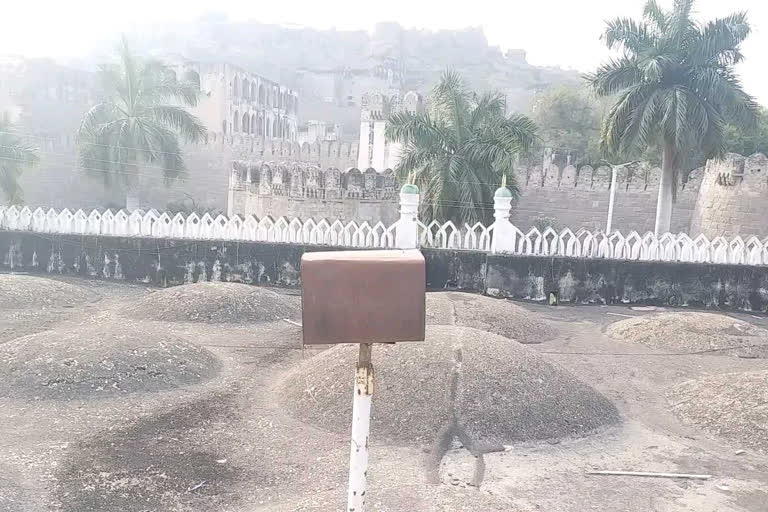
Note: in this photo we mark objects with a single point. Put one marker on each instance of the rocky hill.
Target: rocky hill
(331, 68)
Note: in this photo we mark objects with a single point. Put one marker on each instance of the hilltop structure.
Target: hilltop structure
(233, 101)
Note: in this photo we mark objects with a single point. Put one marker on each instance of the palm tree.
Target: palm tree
(674, 86)
(138, 124)
(16, 156)
(458, 150)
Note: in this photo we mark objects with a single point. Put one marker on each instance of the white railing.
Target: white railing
(192, 226)
(596, 244)
(408, 231)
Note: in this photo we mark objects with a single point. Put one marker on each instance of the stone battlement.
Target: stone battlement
(304, 189)
(634, 178)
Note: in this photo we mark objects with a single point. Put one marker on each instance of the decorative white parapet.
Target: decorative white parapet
(407, 232)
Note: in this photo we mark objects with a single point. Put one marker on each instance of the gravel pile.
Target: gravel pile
(472, 382)
(498, 316)
(731, 406)
(32, 292)
(215, 303)
(685, 332)
(94, 361)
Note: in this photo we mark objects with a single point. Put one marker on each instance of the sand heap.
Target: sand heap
(215, 303)
(32, 292)
(30, 304)
(488, 389)
(685, 332)
(94, 360)
(498, 316)
(732, 405)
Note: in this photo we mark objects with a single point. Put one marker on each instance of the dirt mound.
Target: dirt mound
(498, 316)
(479, 386)
(732, 405)
(93, 361)
(32, 292)
(215, 303)
(687, 332)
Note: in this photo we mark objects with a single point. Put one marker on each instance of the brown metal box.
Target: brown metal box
(363, 296)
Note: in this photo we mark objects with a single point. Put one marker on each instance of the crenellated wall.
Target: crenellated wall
(579, 197)
(733, 199)
(59, 182)
(290, 189)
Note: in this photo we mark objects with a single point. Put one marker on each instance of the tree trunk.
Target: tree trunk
(134, 195)
(666, 184)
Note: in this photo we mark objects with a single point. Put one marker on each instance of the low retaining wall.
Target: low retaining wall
(166, 262)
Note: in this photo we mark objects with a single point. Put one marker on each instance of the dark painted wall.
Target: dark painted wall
(165, 262)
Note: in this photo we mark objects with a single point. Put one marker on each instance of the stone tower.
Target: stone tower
(733, 197)
(375, 150)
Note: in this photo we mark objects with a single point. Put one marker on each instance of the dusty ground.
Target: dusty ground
(222, 442)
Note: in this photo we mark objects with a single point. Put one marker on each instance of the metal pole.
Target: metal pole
(361, 424)
(610, 201)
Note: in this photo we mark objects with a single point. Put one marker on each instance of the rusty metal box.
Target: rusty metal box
(363, 296)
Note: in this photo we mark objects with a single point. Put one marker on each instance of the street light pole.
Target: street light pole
(612, 198)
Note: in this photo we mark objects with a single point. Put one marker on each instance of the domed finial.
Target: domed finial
(503, 191)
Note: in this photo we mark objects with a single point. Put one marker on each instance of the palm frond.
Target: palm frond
(614, 76)
(627, 33)
(180, 120)
(717, 43)
(656, 16)
(489, 106)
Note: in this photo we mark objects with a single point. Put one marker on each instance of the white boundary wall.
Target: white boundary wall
(407, 232)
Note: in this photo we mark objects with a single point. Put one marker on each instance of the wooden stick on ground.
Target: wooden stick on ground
(651, 474)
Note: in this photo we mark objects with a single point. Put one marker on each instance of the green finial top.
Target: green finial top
(409, 188)
(503, 191)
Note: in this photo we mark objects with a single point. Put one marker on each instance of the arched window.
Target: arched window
(274, 128)
(237, 122)
(224, 127)
(253, 123)
(262, 95)
(235, 87)
(245, 122)
(254, 91)
(192, 77)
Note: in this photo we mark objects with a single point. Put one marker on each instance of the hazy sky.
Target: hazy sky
(553, 32)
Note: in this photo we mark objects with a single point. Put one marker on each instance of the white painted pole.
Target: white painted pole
(361, 425)
(611, 200)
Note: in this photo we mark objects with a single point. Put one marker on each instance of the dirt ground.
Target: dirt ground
(224, 444)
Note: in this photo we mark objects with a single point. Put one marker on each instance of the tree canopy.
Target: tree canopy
(568, 120)
(747, 140)
(458, 149)
(673, 84)
(139, 123)
(16, 156)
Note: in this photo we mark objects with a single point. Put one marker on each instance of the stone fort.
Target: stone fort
(253, 126)
(723, 198)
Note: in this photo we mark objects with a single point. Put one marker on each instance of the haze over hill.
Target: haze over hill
(331, 69)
